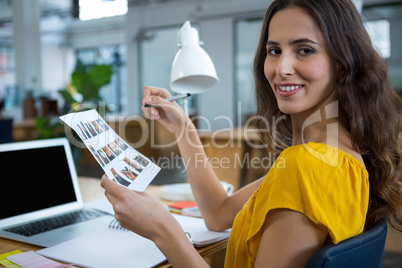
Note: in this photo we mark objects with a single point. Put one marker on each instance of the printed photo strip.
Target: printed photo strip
(119, 160)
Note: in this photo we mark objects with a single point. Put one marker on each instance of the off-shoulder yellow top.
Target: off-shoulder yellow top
(326, 184)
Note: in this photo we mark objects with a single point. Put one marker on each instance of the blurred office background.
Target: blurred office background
(41, 40)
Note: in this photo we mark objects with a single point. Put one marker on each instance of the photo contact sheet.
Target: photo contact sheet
(119, 160)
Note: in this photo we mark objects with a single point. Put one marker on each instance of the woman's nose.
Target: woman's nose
(285, 65)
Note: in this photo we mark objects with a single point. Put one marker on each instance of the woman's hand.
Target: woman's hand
(169, 114)
(138, 211)
(144, 215)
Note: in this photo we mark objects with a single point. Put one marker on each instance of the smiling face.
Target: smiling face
(298, 66)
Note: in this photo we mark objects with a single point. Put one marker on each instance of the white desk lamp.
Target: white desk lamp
(192, 69)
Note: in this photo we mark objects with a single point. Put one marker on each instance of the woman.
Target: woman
(316, 65)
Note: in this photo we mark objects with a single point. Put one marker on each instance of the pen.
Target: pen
(178, 97)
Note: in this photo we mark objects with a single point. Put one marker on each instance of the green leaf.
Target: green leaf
(48, 127)
(78, 78)
(90, 92)
(67, 96)
(41, 122)
(88, 81)
(101, 74)
(80, 66)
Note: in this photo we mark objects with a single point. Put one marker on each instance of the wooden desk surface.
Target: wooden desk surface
(92, 191)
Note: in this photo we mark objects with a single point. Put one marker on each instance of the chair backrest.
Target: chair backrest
(6, 130)
(364, 250)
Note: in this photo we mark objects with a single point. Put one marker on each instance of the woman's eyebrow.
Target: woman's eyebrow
(293, 42)
(272, 43)
(303, 40)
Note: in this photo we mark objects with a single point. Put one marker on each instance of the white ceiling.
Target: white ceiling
(61, 7)
(58, 11)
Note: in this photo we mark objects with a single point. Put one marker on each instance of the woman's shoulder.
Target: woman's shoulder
(317, 179)
(315, 153)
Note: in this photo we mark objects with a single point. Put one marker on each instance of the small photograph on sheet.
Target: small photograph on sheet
(118, 159)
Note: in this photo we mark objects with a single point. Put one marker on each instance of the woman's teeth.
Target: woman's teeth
(289, 88)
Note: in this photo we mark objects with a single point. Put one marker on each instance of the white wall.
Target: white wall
(57, 63)
(217, 105)
(94, 33)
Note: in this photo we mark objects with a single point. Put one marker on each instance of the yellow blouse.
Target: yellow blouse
(327, 185)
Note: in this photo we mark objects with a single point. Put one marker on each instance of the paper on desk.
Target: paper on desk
(119, 160)
(118, 248)
(195, 227)
(31, 259)
(198, 232)
(107, 248)
(7, 263)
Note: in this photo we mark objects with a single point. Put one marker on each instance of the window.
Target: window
(379, 31)
(8, 91)
(95, 9)
(247, 34)
(384, 24)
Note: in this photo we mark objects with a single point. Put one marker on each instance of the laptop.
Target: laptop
(41, 203)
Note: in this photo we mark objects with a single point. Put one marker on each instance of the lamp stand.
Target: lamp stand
(185, 106)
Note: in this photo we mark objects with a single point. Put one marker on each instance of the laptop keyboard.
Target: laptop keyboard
(41, 226)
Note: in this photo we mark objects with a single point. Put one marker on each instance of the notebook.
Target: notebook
(40, 191)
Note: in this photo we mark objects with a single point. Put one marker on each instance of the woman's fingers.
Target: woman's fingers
(112, 190)
(153, 96)
(149, 92)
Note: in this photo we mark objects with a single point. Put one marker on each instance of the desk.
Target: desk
(24, 130)
(91, 191)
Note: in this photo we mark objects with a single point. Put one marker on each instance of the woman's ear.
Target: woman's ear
(340, 71)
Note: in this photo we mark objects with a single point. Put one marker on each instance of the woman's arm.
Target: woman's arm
(288, 239)
(217, 208)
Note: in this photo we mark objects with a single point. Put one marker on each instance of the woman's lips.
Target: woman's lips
(288, 90)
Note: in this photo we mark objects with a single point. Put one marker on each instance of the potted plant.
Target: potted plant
(86, 82)
(82, 93)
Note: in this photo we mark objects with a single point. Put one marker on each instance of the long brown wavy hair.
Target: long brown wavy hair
(370, 107)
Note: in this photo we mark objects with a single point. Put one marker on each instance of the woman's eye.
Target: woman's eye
(274, 51)
(306, 51)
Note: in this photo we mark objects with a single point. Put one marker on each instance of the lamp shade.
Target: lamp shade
(192, 69)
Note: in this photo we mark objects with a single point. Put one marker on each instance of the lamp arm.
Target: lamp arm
(185, 106)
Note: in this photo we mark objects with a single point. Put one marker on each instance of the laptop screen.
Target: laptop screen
(34, 179)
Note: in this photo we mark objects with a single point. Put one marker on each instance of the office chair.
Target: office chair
(6, 130)
(364, 250)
